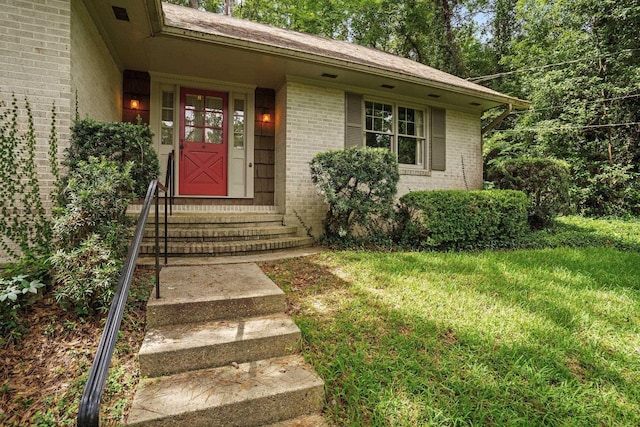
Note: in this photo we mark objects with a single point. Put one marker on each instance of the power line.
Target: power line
(564, 128)
(554, 107)
(488, 77)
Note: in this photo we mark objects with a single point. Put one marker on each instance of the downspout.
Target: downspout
(498, 119)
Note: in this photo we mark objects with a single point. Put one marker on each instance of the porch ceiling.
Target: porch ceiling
(186, 52)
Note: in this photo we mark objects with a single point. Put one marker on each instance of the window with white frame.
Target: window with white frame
(398, 128)
(406, 130)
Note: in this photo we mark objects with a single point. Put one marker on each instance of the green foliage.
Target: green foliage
(23, 221)
(92, 232)
(14, 292)
(612, 190)
(580, 70)
(462, 220)
(359, 185)
(119, 142)
(545, 181)
(86, 275)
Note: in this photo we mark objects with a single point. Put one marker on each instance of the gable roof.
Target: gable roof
(226, 30)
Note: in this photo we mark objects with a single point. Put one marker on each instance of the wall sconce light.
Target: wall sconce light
(266, 118)
(134, 104)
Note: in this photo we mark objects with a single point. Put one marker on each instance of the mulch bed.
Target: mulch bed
(42, 375)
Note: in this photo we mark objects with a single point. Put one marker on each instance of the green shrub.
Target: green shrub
(86, 275)
(92, 233)
(119, 142)
(545, 181)
(613, 190)
(359, 185)
(456, 219)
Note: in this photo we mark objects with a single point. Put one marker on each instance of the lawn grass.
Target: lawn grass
(518, 338)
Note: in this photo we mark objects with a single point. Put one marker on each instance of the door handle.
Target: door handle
(182, 145)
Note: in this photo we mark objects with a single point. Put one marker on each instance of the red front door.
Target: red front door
(203, 143)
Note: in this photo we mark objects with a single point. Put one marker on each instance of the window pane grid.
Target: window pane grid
(203, 117)
(407, 140)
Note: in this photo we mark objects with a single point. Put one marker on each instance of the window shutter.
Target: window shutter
(438, 139)
(353, 118)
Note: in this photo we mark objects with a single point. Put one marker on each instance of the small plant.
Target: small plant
(13, 296)
(359, 185)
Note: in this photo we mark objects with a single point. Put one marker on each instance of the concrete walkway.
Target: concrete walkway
(219, 349)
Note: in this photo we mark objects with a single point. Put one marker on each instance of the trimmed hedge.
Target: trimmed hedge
(462, 220)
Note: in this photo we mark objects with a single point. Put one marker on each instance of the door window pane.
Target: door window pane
(193, 134)
(167, 128)
(238, 124)
(214, 136)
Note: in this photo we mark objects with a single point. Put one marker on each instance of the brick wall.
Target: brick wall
(35, 63)
(463, 145)
(96, 79)
(310, 120)
(314, 123)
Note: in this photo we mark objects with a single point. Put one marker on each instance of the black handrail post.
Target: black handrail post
(157, 248)
(166, 239)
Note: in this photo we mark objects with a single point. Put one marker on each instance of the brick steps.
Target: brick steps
(225, 248)
(223, 234)
(220, 351)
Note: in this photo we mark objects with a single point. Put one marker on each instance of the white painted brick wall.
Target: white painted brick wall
(310, 119)
(314, 119)
(35, 63)
(48, 49)
(464, 144)
(95, 77)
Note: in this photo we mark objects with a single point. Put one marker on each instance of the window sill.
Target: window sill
(414, 171)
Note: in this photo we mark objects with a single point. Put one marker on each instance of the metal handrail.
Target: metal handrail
(89, 410)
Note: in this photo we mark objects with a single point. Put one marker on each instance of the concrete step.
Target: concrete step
(221, 234)
(198, 294)
(227, 248)
(179, 348)
(249, 394)
(305, 421)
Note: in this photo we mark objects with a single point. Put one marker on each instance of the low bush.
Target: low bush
(545, 181)
(462, 220)
(119, 142)
(359, 185)
(14, 295)
(92, 232)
